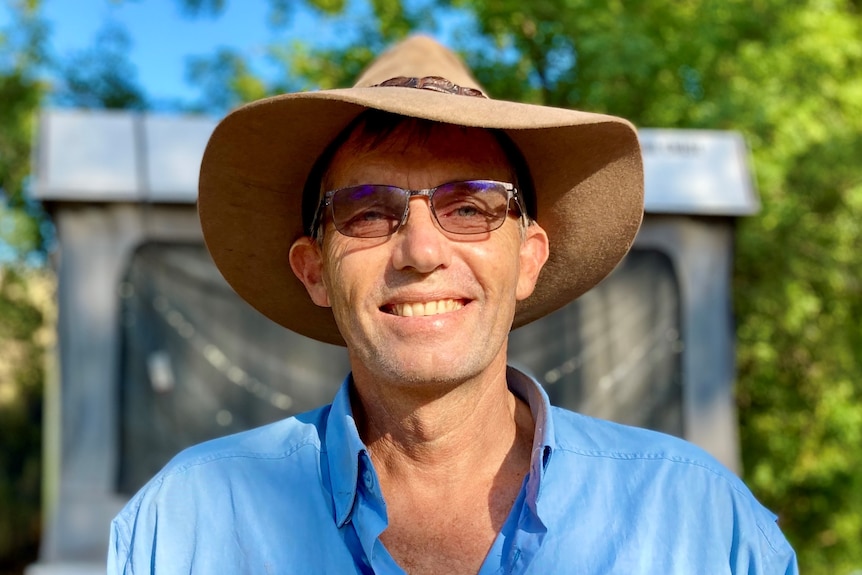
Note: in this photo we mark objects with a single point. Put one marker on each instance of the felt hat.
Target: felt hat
(586, 169)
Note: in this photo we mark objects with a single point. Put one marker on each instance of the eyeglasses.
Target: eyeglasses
(376, 211)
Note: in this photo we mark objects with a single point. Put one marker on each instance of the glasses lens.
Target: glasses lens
(368, 211)
(471, 207)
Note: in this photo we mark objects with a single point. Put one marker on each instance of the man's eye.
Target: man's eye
(367, 214)
(372, 215)
(465, 211)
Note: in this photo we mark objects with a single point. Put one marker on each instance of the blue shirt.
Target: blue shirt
(301, 496)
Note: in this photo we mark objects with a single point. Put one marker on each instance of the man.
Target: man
(421, 221)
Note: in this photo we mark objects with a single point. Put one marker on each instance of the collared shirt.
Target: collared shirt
(302, 496)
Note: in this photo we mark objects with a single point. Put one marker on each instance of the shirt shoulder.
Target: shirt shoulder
(593, 437)
(671, 481)
(289, 449)
(278, 440)
(255, 502)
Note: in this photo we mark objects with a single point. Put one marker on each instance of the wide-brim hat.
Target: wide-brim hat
(586, 168)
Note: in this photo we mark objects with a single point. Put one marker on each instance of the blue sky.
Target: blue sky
(163, 37)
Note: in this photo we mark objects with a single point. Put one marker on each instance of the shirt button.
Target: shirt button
(368, 477)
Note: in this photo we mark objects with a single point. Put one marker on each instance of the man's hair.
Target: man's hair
(374, 126)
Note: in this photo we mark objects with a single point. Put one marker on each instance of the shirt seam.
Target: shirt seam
(205, 459)
(158, 480)
(176, 470)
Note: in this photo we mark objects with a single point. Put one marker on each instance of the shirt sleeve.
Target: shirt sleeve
(785, 561)
(118, 550)
(771, 553)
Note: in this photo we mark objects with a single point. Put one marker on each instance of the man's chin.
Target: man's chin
(421, 367)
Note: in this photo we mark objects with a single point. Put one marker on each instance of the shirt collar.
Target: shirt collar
(347, 453)
(529, 390)
(344, 450)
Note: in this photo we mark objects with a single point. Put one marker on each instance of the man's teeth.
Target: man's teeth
(419, 309)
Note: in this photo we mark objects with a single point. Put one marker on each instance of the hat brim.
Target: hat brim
(587, 170)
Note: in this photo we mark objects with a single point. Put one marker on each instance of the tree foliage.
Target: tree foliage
(786, 74)
(21, 51)
(24, 296)
(227, 78)
(224, 69)
(21, 320)
(101, 76)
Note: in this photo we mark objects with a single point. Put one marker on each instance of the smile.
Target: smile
(420, 309)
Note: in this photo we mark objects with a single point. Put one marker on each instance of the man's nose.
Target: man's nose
(420, 243)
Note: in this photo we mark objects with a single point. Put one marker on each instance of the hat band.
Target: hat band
(433, 83)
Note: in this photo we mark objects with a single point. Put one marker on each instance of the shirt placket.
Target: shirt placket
(370, 519)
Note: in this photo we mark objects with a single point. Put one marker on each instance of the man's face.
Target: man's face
(422, 305)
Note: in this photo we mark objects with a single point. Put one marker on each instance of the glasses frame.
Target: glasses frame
(326, 201)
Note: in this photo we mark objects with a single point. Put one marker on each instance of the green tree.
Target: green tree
(227, 78)
(101, 76)
(21, 238)
(25, 295)
(21, 51)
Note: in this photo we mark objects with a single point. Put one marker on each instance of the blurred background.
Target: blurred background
(783, 73)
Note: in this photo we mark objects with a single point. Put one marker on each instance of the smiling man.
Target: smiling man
(417, 221)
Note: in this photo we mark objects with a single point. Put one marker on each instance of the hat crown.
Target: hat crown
(417, 57)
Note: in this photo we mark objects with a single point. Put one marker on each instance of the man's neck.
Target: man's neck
(456, 458)
(442, 430)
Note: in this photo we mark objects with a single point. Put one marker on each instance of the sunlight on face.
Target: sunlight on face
(424, 306)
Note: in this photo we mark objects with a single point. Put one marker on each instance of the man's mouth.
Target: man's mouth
(420, 309)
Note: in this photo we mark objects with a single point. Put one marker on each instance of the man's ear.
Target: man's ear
(306, 261)
(534, 254)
